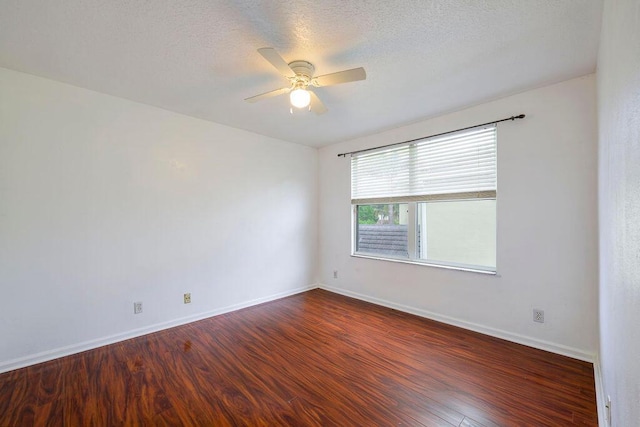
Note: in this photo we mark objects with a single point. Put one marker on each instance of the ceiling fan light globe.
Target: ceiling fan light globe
(300, 98)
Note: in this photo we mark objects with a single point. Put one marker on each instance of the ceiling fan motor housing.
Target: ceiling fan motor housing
(304, 70)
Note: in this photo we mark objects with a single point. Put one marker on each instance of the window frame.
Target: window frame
(412, 203)
(412, 249)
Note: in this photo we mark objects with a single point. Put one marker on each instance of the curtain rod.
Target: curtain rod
(521, 116)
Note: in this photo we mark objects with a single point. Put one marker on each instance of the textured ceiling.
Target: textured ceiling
(198, 57)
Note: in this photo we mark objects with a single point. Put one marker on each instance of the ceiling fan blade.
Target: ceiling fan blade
(267, 95)
(346, 76)
(276, 60)
(316, 105)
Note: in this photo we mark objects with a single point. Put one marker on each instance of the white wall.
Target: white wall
(619, 208)
(547, 226)
(104, 202)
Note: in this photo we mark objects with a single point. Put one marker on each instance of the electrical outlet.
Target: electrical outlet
(538, 315)
(137, 307)
(335, 274)
(187, 298)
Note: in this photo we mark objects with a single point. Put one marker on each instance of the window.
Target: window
(430, 201)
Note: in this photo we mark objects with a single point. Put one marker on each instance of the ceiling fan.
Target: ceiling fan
(300, 76)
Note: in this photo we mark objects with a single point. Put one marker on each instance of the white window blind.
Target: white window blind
(454, 166)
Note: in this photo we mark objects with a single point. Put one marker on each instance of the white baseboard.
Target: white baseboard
(45, 356)
(498, 333)
(601, 397)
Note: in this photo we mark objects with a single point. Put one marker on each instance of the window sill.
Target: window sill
(426, 264)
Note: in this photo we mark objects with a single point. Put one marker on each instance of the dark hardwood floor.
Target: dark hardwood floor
(311, 359)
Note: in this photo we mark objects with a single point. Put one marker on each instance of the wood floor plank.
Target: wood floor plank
(312, 359)
(468, 422)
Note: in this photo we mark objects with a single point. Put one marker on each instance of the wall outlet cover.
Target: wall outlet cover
(538, 315)
(137, 307)
(187, 298)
